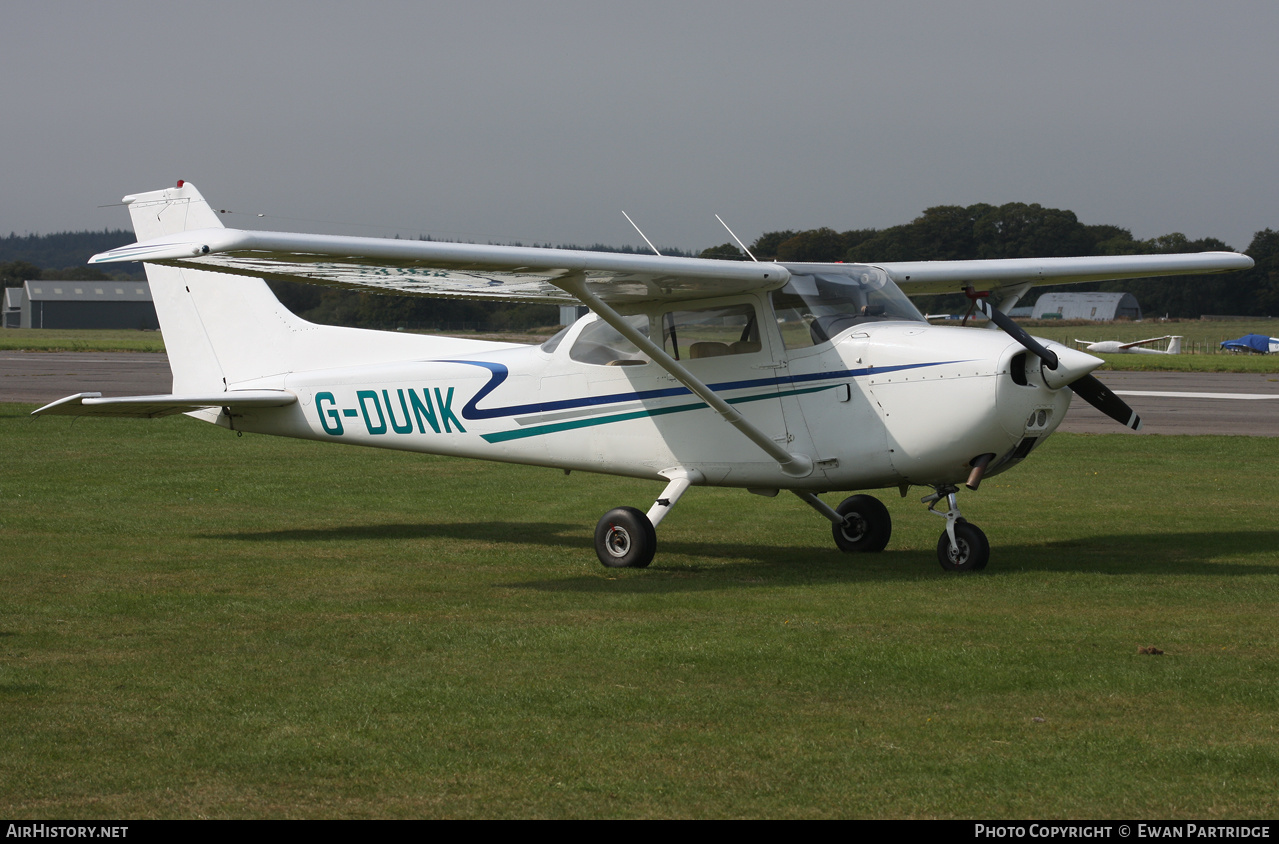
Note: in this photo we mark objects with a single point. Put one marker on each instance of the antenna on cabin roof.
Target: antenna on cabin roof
(735, 237)
(641, 234)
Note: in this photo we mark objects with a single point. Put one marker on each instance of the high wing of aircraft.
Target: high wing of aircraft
(1137, 347)
(808, 378)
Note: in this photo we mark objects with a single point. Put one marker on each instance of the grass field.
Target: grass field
(79, 340)
(198, 625)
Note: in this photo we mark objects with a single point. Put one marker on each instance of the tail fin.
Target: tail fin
(1174, 345)
(212, 323)
(224, 330)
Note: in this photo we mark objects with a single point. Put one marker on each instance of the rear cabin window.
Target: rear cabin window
(600, 344)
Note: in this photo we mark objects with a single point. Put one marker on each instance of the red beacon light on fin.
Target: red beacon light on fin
(181, 182)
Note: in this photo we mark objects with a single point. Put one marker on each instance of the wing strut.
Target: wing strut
(793, 465)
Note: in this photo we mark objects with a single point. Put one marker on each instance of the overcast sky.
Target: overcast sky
(541, 121)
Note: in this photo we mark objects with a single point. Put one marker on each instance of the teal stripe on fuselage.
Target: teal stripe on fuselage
(539, 430)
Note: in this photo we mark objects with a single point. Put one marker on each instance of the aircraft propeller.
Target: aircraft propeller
(1101, 397)
(1086, 386)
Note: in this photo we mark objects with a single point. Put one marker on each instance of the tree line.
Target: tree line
(1018, 230)
(62, 255)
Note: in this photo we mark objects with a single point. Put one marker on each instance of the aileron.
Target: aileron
(919, 278)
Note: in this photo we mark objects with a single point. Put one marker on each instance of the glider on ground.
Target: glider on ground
(807, 378)
(1137, 347)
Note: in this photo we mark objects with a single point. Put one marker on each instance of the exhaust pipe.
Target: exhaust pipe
(979, 464)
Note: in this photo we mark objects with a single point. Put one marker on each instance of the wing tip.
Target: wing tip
(60, 406)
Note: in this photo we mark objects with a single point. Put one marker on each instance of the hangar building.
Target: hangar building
(1095, 306)
(84, 304)
(12, 307)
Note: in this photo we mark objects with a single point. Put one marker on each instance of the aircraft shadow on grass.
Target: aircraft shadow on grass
(1114, 554)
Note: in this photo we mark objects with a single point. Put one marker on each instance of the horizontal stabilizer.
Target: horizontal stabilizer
(149, 407)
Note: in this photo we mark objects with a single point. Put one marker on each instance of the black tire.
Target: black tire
(625, 539)
(973, 552)
(869, 525)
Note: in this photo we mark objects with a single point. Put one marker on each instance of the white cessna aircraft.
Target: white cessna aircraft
(763, 376)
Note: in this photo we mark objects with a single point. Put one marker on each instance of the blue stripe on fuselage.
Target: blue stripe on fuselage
(499, 373)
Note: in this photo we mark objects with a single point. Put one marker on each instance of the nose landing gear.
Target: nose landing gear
(963, 546)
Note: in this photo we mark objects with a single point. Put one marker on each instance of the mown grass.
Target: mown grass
(198, 625)
(1191, 363)
(79, 340)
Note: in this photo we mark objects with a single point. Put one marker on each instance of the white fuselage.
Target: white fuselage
(883, 404)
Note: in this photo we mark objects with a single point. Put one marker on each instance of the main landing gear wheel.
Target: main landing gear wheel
(868, 525)
(625, 539)
(970, 552)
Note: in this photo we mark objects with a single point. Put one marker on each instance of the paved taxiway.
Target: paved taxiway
(1235, 403)
(42, 377)
(1218, 403)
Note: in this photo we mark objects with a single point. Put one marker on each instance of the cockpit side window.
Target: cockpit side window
(711, 332)
(600, 344)
(814, 308)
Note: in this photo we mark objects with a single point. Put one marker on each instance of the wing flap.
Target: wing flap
(150, 407)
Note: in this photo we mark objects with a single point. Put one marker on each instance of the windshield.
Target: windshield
(813, 308)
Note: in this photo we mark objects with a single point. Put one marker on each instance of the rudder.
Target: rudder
(192, 357)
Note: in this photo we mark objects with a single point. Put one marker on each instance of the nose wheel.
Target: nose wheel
(962, 546)
(969, 551)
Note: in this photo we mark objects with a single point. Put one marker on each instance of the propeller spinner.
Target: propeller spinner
(1068, 369)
